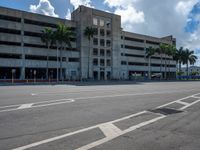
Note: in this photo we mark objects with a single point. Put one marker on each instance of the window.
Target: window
(102, 52)
(73, 59)
(108, 62)
(108, 53)
(95, 21)
(95, 31)
(108, 43)
(134, 39)
(11, 31)
(108, 33)
(102, 42)
(102, 33)
(102, 23)
(102, 62)
(39, 23)
(137, 64)
(152, 42)
(95, 62)
(123, 63)
(134, 47)
(95, 41)
(14, 56)
(108, 24)
(10, 18)
(95, 51)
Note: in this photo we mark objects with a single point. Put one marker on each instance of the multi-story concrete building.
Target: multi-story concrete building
(111, 54)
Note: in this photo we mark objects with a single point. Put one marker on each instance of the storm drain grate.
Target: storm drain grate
(166, 111)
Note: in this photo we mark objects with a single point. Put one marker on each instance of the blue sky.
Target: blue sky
(181, 18)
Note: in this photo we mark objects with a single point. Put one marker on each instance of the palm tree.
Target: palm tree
(149, 53)
(162, 51)
(171, 52)
(179, 57)
(189, 58)
(47, 38)
(89, 33)
(63, 35)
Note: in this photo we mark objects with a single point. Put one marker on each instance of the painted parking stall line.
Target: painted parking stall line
(25, 106)
(111, 131)
(35, 105)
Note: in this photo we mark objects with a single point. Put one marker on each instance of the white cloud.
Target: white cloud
(44, 7)
(184, 7)
(68, 16)
(119, 3)
(76, 3)
(130, 16)
(156, 18)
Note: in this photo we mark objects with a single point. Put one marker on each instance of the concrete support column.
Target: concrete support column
(22, 71)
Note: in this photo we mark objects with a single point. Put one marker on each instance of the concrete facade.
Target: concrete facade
(111, 54)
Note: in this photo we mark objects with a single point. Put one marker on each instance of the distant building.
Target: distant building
(114, 53)
(191, 69)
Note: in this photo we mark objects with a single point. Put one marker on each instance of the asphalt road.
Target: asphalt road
(143, 116)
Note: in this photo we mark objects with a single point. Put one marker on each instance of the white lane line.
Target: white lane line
(33, 94)
(25, 106)
(8, 106)
(174, 102)
(110, 130)
(53, 139)
(68, 92)
(56, 103)
(76, 132)
(104, 96)
(109, 138)
(181, 102)
(37, 104)
(189, 105)
(196, 97)
(102, 126)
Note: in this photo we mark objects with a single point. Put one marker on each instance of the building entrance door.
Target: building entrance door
(102, 75)
(95, 75)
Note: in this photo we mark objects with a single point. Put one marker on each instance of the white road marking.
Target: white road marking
(109, 129)
(33, 94)
(67, 92)
(36, 104)
(181, 102)
(75, 132)
(174, 102)
(96, 97)
(63, 101)
(25, 106)
(189, 105)
(109, 138)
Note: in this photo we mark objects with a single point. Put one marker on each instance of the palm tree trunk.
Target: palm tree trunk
(149, 68)
(169, 70)
(47, 69)
(179, 67)
(165, 68)
(57, 70)
(161, 59)
(187, 70)
(88, 72)
(61, 63)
